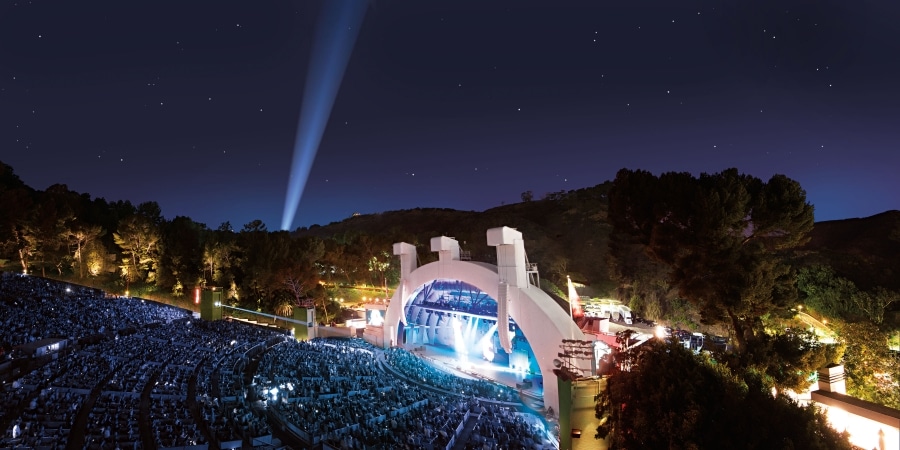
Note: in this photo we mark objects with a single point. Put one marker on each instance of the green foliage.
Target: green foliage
(838, 297)
(722, 238)
(826, 292)
(181, 255)
(139, 239)
(785, 360)
(872, 372)
(698, 230)
(672, 398)
(681, 314)
(553, 289)
(873, 304)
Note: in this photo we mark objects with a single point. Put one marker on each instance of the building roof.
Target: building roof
(863, 408)
(33, 346)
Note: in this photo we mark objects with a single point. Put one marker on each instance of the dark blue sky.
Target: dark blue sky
(457, 104)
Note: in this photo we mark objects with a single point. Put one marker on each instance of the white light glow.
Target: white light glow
(661, 332)
(375, 318)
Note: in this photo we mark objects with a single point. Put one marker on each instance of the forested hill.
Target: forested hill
(865, 251)
(565, 232)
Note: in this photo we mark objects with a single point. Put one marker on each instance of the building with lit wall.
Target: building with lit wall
(870, 425)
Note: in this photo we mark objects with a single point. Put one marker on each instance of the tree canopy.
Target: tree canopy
(723, 238)
(672, 398)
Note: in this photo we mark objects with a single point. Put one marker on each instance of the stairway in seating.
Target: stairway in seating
(463, 437)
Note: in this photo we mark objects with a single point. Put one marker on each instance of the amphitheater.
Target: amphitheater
(82, 370)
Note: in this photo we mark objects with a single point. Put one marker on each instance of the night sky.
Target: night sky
(455, 104)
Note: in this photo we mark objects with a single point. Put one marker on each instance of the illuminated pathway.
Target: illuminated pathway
(824, 334)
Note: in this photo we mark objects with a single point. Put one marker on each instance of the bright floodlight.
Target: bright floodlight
(336, 33)
(660, 332)
(375, 318)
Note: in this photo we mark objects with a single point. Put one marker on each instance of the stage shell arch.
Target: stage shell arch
(536, 314)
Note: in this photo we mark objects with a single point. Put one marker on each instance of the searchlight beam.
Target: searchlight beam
(335, 36)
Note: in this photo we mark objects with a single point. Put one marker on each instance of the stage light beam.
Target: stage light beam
(336, 33)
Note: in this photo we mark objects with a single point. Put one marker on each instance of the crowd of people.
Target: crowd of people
(137, 374)
(35, 308)
(348, 394)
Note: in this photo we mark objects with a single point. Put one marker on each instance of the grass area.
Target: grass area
(357, 296)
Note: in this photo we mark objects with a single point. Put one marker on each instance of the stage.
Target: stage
(448, 360)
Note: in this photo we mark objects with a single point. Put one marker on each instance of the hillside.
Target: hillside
(865, 251)
(567, 234)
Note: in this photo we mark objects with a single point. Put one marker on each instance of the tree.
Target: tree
(298, 273)
(23, 247)
(671, 398)
(94, 255)
(825, 292)
(722, 236)
(219, 255)
(181, 255)
(261, 253)
(527, 196)
(284, 308)
(837, 297)
(872, 373)
(333, 264)
(643, 281)
(46, 227)
(15, 202)
(874, 304)
(80, 236)
(383, 267)
(785, 360)
(254, 226)
(139, 238)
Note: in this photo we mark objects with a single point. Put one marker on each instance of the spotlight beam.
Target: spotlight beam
(336, 33)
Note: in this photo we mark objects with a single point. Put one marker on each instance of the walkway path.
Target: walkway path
(463, 437)
(77, 435)
(191, 404)
(823, 333)
(148, 440)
